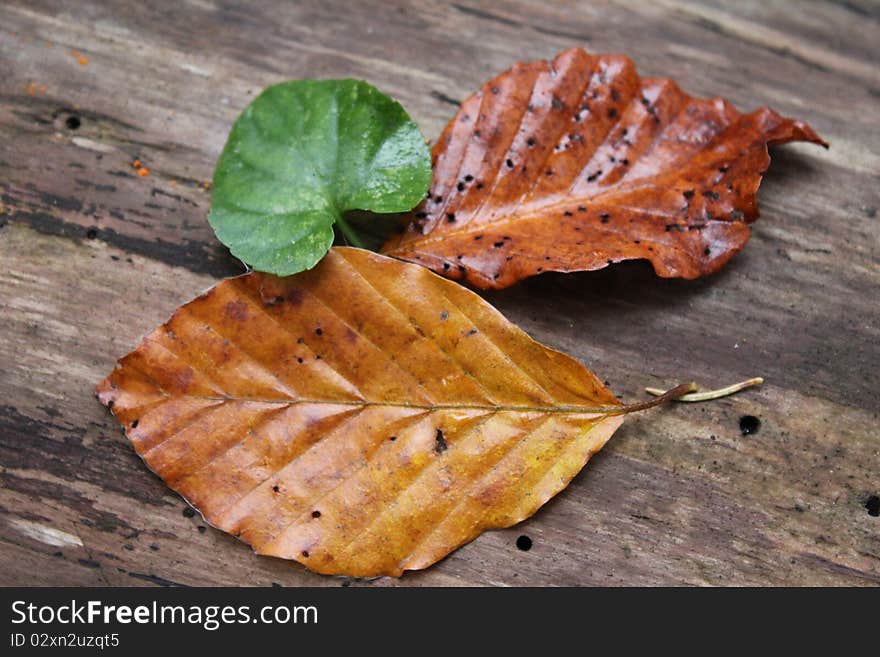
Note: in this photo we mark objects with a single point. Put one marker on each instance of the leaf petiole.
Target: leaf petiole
(350, 235)
(708, 395)
(662, 397)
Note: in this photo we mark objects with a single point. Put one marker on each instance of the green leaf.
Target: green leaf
(303, 153)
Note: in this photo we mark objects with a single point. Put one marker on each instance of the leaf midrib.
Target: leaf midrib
(561, 409)
(530, 212)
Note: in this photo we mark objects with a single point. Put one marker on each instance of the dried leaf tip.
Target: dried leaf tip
(707, 395)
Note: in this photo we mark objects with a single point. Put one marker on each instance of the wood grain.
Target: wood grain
(94, 256)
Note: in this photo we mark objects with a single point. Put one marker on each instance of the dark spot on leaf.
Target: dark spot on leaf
(450, 217)
(276, 488)
(707, 251)
(294, 296)
(556, 103)
(440, 445)
(316, 514)
(477, 238)
(468, 178)
(530, 142)
(444, 315)
(498, 245)
(305, 554)
(712, 195)
(392, 438)
(473, 331)
(568, 213)
(460, 186)
(495, 90)
(612, 113)
(509, 163)
(749, 424)
(689, 193)
(604, 217)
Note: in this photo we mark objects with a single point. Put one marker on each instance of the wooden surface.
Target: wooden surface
(94, 256)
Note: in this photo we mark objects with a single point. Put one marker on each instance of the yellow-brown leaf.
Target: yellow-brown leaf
(364, 418)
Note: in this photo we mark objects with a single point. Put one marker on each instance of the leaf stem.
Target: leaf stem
(349, 233)
(675, 393)
(710, 394)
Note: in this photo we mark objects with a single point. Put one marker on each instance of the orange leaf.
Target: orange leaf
(364, 418)
(578, 163)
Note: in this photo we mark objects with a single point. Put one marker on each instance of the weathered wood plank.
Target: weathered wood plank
(93, 256)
